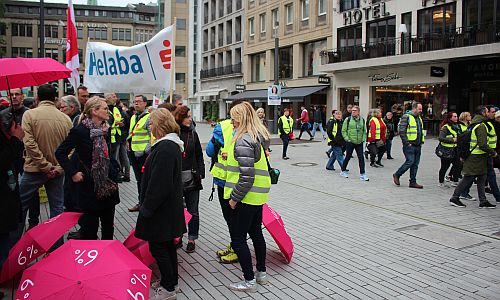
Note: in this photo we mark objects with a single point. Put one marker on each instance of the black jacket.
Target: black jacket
(318, 116)
(161, 217)
(338, 139)
(192, 157)
(85, 196)
(10, 204)
(391, 128)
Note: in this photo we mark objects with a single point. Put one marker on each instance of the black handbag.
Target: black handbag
(274, 174)
(445, 152)
(191, 181)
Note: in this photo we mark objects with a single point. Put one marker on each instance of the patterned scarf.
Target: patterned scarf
(100, 156)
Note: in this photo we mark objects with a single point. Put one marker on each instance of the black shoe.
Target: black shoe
(488, 190)
(286, 157)
(379, 164)
(487, 205)
(178, 245)
(75, 235)
(135, 208)
(126, 179)
(190, 247)
(374, 165)
(366, 155)
(311, 138)
(119, 180)
(328, 154)
(330, 169)
(390, 157)
(457, 203)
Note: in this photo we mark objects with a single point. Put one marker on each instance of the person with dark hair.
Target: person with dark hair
(448, 137)
(83, 96)
(193, 171)
(285, 127)
(391, 132)
(168, 106)
(492, 143)
(139, 141)
(411, 131)
(318, 122)
(304, 123)
(45, 128)
(476, 165)
(222, 137)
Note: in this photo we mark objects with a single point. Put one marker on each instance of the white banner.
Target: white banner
(144, 68)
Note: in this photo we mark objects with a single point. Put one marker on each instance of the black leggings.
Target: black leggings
(90, 223)
(456, 169)
(286, 140)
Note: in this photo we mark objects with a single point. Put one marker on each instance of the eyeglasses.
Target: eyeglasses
(16, 94)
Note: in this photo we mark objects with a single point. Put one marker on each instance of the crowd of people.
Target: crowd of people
(80, 148)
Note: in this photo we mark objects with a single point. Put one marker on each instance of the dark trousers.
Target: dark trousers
(466, 183)
(388, 147)
(165, 255)
(137, 164)
(34, 210)
(455, 169)
(492, 179)
(192, 200)
(350, 147)
(412, 156)
(247, 219)
(90, 224)
(305, 127)
(286, 140)
(224, 204)
(376, 152)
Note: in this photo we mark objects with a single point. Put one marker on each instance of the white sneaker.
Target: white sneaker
(364, 177)
(344, 174)
(261, 278)
(249, 286)
(443, 185)
(162, 294)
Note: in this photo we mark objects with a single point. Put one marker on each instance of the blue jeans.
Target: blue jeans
(29, 185)
(412, 156)
(336, 155)
(492, 179)
(388, 147)
(315, 127)
(192, 199)
(350, 147)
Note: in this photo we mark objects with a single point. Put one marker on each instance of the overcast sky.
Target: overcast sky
(101, 2)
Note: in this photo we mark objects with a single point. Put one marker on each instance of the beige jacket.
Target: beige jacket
(45, 127)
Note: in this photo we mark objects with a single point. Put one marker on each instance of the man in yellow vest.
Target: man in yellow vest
(221, 138)
(492, 143)
(285, 127)
(139, 141)
(411, 131)
(475, 166)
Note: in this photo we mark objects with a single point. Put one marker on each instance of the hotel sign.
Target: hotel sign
(424, 2)
(371, 12)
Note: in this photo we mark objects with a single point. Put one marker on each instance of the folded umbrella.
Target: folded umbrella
(275, 226)
(35, 242)
(87, 270)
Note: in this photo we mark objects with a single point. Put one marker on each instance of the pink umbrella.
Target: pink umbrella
(140, 248)
(20, 72)
(87, 270)
(274, 224)
(36, 242)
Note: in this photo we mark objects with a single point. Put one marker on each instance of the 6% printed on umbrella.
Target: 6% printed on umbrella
(136, 280)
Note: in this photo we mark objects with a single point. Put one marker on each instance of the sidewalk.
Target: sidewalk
(353, 239)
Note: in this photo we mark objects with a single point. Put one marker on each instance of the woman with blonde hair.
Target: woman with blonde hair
(161, 216)
(93, 171)
(247, 190)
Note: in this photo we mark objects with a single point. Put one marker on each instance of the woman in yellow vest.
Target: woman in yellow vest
(377, 137)
(285, 128)
(247, 190)
(448, 135)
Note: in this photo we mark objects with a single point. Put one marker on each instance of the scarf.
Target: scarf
(100, 156)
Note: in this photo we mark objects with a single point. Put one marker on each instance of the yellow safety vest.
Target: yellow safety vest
(219, 169)
(259, 193)
(451, 134)
(115, 129)
(463, 127)
(377, 128)
(473, 141)
(287, 124)
(139, 136)
(412, 130)
(334, 131)
(492, 136)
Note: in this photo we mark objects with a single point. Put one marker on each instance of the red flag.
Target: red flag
(72, 59)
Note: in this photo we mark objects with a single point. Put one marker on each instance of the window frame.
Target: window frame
(251, 26)
(262, 18)
(289, 18)
(302, 7)
(320, 13)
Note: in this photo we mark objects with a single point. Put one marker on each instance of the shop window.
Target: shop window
(258, 62)
(180, 77)
(437, 20)
(286, 63)
(381, 37)
(312, 57)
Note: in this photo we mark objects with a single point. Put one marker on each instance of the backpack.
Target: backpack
(463, 143)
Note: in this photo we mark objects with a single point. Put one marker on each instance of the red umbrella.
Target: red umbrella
(20, 72)
(36, 242)
(274, 224)
(140, 248)
(87, 270)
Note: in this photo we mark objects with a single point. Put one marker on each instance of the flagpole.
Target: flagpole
(172, 76)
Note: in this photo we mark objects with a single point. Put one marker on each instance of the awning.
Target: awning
(249, 95)
(207, 93)
(301, 92)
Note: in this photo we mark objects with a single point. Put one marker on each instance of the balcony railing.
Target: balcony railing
(221, 71)
(462, 37)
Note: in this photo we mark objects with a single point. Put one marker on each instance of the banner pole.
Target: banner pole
(172, 76)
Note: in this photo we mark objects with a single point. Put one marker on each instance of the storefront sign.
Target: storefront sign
(424, 2)
(324, 80)
(55, 41)
(437, 72)
(387, 78)
(240, 87)
(375, 11)
(483, 70)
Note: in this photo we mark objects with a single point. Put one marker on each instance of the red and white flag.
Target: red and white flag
(72, 59)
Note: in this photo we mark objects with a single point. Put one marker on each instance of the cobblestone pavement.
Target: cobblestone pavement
(353, 239)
